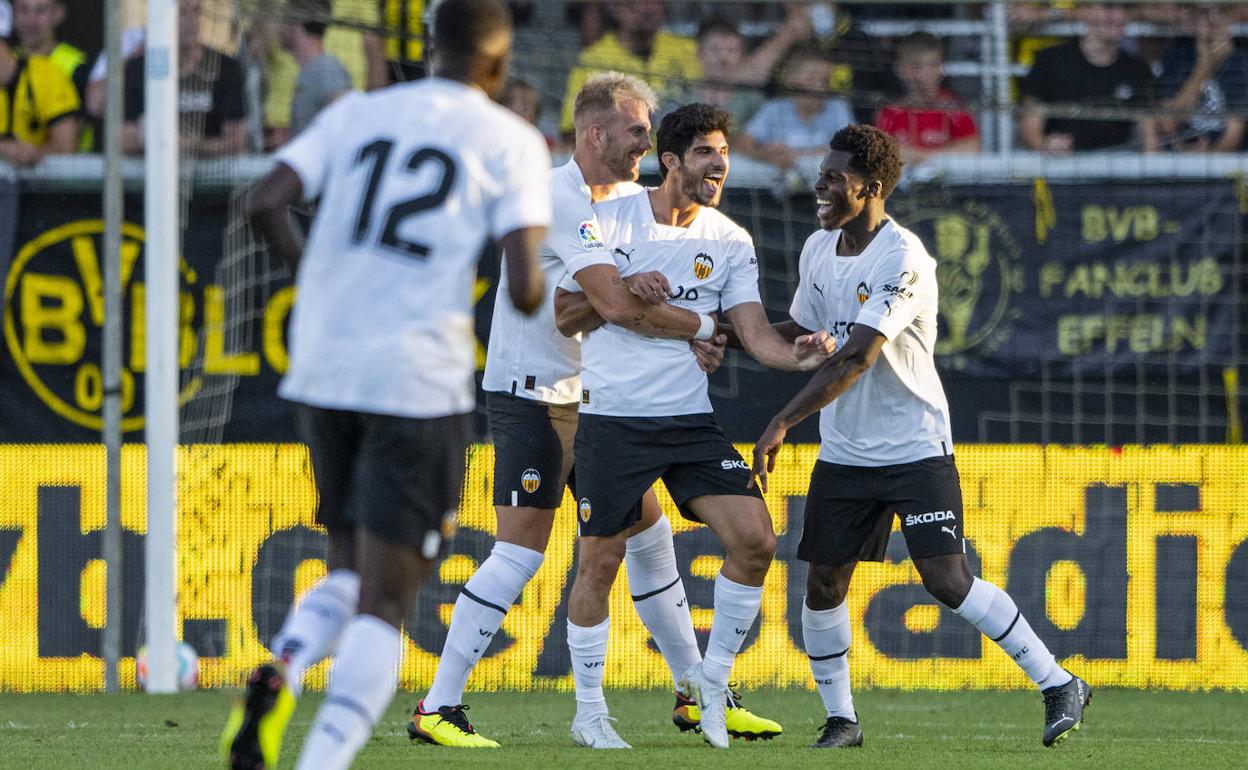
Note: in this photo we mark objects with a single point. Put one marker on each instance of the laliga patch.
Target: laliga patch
(585, 509)
(589, 235)
(530, 480)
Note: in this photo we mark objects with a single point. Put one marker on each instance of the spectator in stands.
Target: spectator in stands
(522, 97)
(1204, 80)
(1094, 73)
(322, 78)
(39, 108)
(803, 121)
(97, 81)
(637, 46)
(930, 118)
(735, 81)
(210, 94)
(36, 23)
(347, 44)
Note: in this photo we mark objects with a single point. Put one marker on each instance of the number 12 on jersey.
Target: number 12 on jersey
(375, 154)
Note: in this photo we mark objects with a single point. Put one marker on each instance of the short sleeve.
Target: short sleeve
(575, 237)
(962, 126)
(761, 127)
(899, 287)
(1036, 83)
(524, 198)
(742, 284)
(309, 154)
(227, 100)
(55, 93)
(803, 309)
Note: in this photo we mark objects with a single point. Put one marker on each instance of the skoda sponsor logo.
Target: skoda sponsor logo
(931, 517)
(530, 480)
(731, 464)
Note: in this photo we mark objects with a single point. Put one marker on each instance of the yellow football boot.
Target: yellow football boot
(252, 738)
(446, 727)
(742, 723)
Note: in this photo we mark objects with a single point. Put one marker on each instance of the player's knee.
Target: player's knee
(599, 561)
(825, 588)
(757, 552)
(948, 587)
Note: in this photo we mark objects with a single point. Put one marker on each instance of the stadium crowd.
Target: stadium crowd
(254, 73)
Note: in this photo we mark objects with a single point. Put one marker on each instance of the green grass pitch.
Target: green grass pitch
(1124, 728)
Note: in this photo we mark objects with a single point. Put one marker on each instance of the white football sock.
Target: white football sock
(994, 613)
(479, 611)
(736, 608)
(588, 647)
(659, 596)
(314, 623)
(361, 685)
(827, 634)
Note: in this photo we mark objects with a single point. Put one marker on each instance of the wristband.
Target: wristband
(706, 327)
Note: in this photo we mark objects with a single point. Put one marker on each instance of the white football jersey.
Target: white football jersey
(528, 357)
(710, 265)
(896, 412)
(412, 180)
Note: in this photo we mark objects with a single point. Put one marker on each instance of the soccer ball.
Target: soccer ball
(188, 667)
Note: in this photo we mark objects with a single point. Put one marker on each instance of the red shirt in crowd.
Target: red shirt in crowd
(927, 127)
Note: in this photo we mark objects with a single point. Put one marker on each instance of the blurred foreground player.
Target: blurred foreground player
(412, 180)
(886, 447)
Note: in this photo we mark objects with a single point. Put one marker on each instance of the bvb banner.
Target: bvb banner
(1132, 564)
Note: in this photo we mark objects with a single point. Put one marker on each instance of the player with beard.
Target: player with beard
(871, 283)
(645, 413)
(532, 385)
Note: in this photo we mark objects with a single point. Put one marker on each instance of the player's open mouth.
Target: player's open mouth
(711, 184)
(825, 206)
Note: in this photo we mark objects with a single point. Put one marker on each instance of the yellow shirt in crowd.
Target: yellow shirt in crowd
(672, 66)
(346, 44)
(38, 96)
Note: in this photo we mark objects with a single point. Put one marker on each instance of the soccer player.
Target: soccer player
(412, 180)
(645, 413)
(885, 445)
(532, 384)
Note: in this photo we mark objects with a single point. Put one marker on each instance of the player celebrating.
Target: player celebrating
(645, 413)
(412, 180)
(870, 282)
(532, 384)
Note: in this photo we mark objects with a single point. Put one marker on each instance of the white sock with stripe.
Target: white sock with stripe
(659, 596)
(361, 685)
(479, 611)
(827, 634)
(736, 609)
(314, 624)
(994, 613)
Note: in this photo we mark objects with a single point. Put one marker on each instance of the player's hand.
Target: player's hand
(709, 353)
(1059, 144)
(651, 286)
(765, 450)
(21, 153)
(810, 350)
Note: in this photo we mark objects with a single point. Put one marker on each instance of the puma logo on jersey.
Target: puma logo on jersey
(627, 255)
(702, 266)
(951, 530)
(913, 519)
(818, 289)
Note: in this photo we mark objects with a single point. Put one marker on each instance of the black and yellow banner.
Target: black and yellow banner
(1132, 564)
